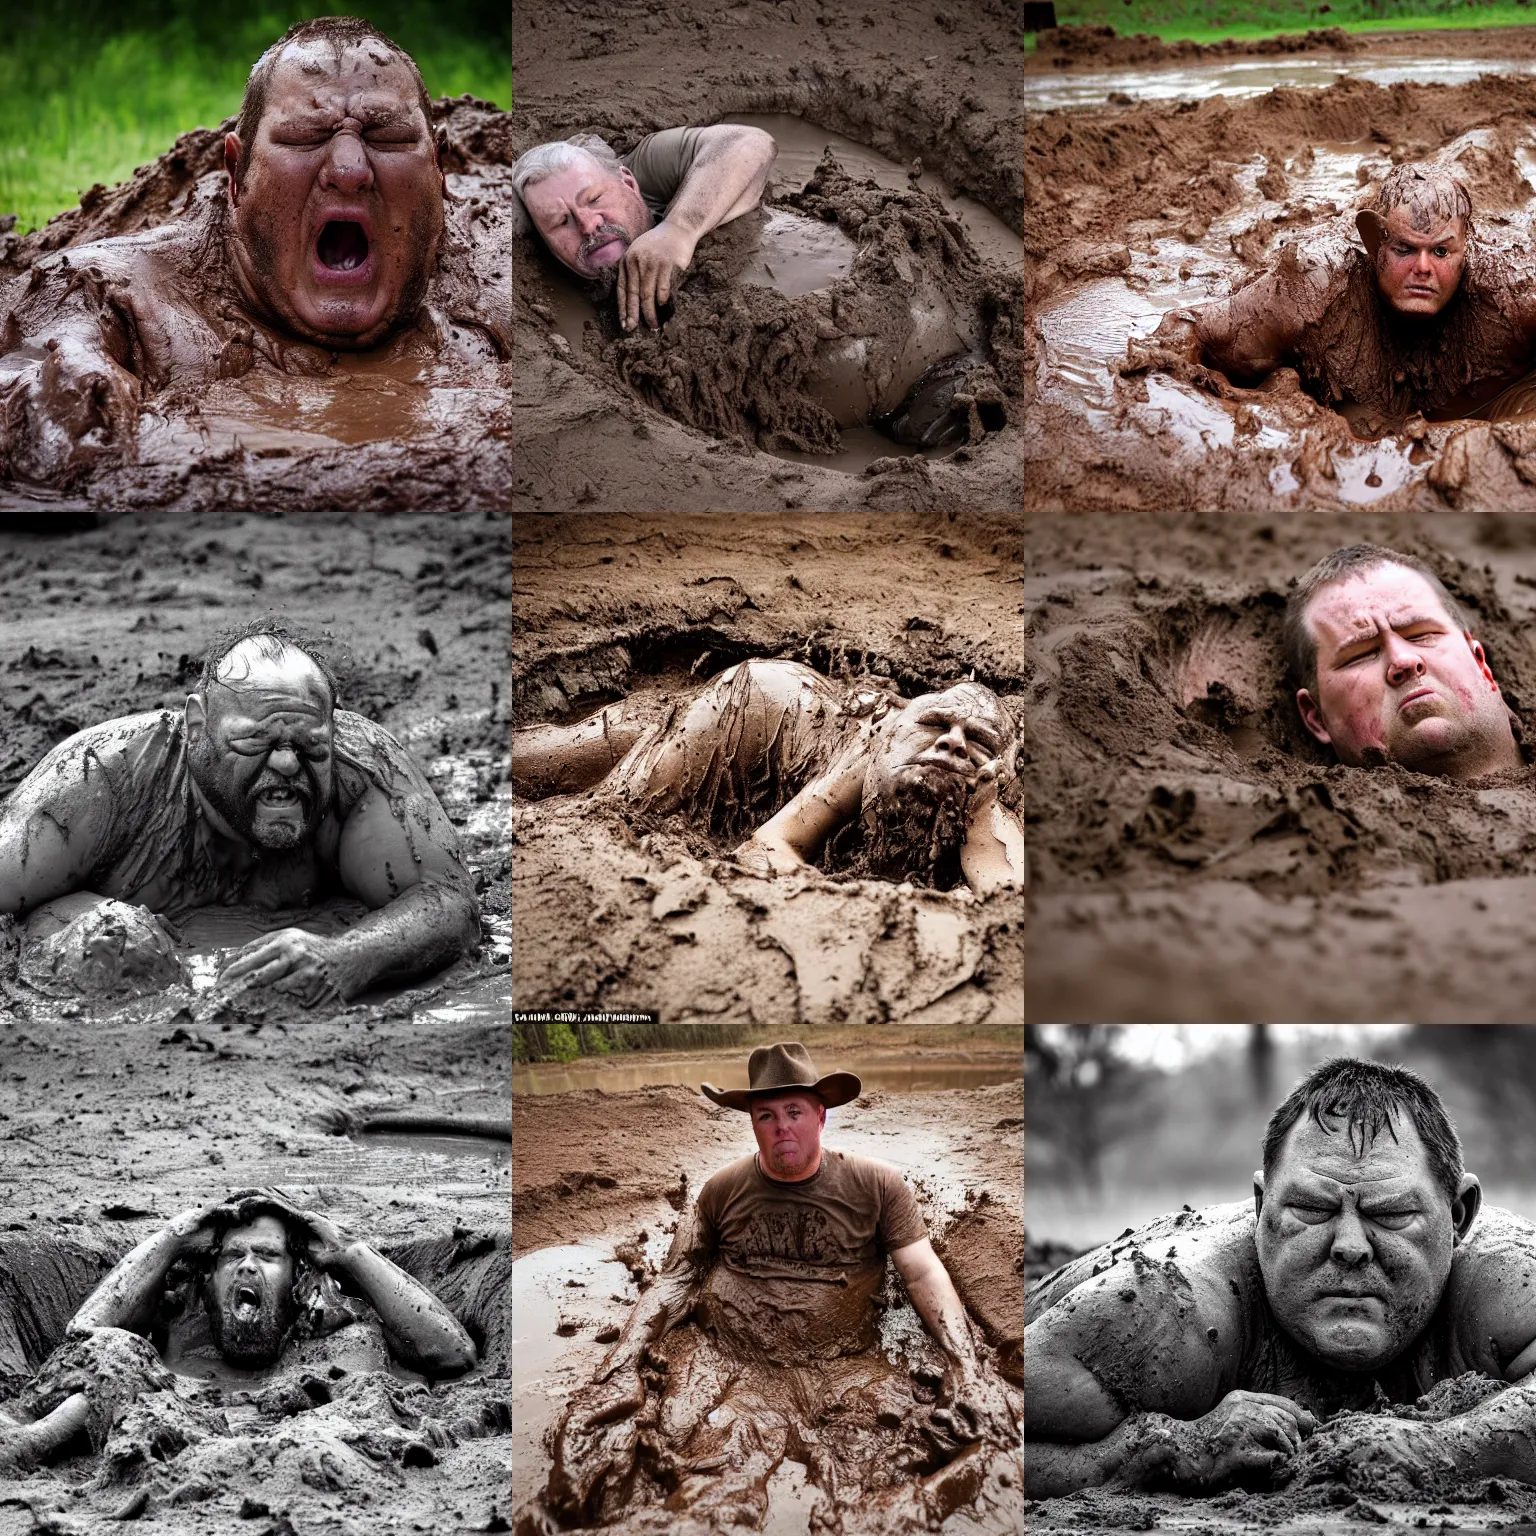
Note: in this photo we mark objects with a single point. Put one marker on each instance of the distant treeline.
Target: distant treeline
(566, 1042)
(1206, 19)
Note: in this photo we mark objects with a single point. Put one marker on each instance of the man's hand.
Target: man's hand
(67, 410)
(1244, 1434)
(765, 856)
(326, 1246)
(293, 961)
(192, 1231)
(650, 271)
(972, 1406)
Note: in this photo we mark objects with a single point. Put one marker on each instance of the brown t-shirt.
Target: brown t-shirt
(793, 1269)
(660, 163)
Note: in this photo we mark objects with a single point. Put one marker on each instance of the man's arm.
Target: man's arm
(1246, 336)
(51, 829)
(127, 1298)
(794, 836)
(726, 180)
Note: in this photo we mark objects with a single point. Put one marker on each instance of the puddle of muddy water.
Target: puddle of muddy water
(927, 1076)
(1253, 77)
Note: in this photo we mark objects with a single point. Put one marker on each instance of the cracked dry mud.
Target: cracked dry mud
(614, 914)
(115, 1115)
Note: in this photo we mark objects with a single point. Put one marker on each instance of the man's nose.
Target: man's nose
(347, 167)
(1351, 1247)
(953, 741)
(590, 220)
(284, 760)
(1403, 661)
(1423, 263)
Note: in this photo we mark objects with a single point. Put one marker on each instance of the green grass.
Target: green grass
(84, 106)
(1207, 22)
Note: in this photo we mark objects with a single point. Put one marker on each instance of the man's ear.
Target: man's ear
(1480, 656)
(1312, 716)
(1258, 1193)
(1466, 1205)
(232, 166)
(196, 716)
(1373, 229)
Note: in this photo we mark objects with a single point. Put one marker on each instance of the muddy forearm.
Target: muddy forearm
(421, 930)
(661, 1309)
(725, 180)
(937, 1302)
(420, 1330)
(128, 1296)
(1147, 1448)
(1495, 1439)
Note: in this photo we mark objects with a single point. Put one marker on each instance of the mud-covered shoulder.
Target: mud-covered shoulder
(367, 756)
(1491, 1292)
(1317, 270)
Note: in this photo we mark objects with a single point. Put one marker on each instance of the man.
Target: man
(1389, 668)
(266, 1289)
(1205, 1348)
(636, 219)
(1420, 321)
(780, 1262)
(919, 790)
(327, 239)
(261, 791)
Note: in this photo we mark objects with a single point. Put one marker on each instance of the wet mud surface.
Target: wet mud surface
(419, 423)
(1193, 856)
(597, 1195)
(611, 913)
(706, 412)
(116, 1115)
(1139, 207)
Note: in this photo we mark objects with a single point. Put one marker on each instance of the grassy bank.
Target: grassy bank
(1207, 21)
(87, 94)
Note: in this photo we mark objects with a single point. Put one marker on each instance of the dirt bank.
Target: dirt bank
(646, 607)
(1192, 854)
(116, 1118)
(395, 429)
(1139, 208)
(909, 81)
(592, 1179)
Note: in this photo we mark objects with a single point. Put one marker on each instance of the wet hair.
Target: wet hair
(1431, 195)
(1369, 1097)
(342, 31)
(1340, 566)
(533, 165)
(273, 637)
(246, 1209)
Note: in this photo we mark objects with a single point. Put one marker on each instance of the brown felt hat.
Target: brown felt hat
(777, 1068)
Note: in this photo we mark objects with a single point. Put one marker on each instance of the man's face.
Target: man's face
(587, 217)
(1354, 1251)
(1418, 270)
(261, 751)
(940, 740)
(788, 1130)
(249, 1296)
(1395, 675)
(341, 208)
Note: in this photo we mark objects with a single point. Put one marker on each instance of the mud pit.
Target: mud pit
(1138, 207)
(599, 414)
(615, 913)
(407, 426)
(597, 1194)
(1192, 855)
(119, 1115)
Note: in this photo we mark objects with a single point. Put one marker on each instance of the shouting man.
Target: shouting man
(328, 239)
(898, 790)
(1419, 319)
(635, 219)
(259, 791)
(1203, 1349)
(781, 1262)
(239, 1293)
(1389, 669)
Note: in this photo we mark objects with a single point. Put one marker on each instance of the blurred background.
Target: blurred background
(92, 89)
(1126, 1122)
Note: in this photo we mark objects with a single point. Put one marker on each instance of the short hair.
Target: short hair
(1431, 194)
(1369, 1096)
(340, 30)
(246, 1210)
(543, 160)
(1354, 560)
(273, 636)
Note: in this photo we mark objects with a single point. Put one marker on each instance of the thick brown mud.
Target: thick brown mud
(601, 418)
(1136, 208)
(117, 1113)
(615, 914)
(419, 423)
(1193, 855)
(596, 1197)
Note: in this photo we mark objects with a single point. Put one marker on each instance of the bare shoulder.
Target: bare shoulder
(1491, 1292)
(131, 744)
(368, 756)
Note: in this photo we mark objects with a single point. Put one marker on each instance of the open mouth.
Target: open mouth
(247, 1300)
(342, 245)
(279, 797)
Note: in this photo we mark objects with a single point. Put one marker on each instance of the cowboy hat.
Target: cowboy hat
(779, 1068)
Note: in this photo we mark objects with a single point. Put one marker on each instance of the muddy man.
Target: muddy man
(780, 1262)
(1421, 321)
(921, 790)
(242, 1292)
(330, 235)
(259, 791)
(1212, 1347)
